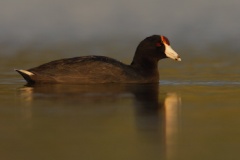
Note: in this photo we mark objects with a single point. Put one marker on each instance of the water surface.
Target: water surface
(193, 113)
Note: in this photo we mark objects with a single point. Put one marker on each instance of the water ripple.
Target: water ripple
(206, 83)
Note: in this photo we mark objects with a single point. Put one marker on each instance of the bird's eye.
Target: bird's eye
(158, 44)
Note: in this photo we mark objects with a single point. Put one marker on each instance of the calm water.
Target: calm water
(193, 113)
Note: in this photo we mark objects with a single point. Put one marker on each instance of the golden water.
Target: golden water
(193, 113)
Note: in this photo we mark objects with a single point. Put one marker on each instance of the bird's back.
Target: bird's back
(87, 69)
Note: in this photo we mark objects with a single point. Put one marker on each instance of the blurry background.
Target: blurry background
(50, 23)
(204, 33)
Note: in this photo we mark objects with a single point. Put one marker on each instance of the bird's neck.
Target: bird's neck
(144, 64)
(144, 61)
(147, 67)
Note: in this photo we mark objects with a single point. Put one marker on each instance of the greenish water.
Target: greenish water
(193, 113)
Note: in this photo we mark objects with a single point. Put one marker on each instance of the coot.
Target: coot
(100, 69)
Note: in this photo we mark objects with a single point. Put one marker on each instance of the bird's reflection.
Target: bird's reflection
(155, 112)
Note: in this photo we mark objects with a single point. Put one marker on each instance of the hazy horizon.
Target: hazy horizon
(184, 22)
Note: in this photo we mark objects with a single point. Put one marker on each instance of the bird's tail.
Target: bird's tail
(26, 75)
